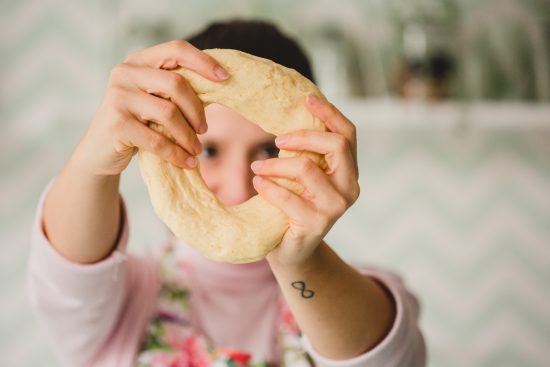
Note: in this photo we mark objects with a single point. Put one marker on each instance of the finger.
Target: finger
(317, 187)
(168, 85)
(173, 54)
(147, 107)
(341, 162)
(288, 202)
(333, 119)
(335, 147)
(138, 135)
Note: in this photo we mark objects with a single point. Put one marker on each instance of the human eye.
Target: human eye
(209, 151)
(269, 150)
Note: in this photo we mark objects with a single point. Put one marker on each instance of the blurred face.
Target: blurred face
(230, 145)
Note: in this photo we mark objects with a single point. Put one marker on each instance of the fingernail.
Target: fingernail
(191, 162)
(257, 180)
(280, 140)
(221, 73)
(312, 100)
(198, 147)
(256, 165)
(203, 128)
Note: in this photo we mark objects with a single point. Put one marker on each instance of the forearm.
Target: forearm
(343, 313)
(82, 213)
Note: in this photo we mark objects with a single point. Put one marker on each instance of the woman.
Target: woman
(302, 304)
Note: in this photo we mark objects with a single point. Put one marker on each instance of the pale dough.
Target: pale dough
(269, 95)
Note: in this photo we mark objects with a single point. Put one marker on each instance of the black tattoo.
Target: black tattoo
(301, 286)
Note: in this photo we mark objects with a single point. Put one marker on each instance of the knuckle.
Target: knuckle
(169, 111)
(117, 72)
(174, 154)
(179, 44)
(156, 142)
(175, 81)
(117, 94)
(340, 206)
(306, 165)
(341, 143)
(115, 103)
(120, 119)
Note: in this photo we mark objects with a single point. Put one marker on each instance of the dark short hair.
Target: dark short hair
(255, 37)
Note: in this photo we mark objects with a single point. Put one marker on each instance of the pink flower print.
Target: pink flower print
(196, 351)
(175, 335)
(240, 359)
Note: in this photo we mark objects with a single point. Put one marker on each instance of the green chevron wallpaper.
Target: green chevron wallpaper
(461, 210)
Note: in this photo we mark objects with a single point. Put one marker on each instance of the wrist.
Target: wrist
(86, 162)
(78, 173)
(307, 264)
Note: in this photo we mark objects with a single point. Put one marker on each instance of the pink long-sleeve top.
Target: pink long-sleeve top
(174, 307)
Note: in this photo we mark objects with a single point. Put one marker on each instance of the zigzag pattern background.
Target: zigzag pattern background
(465, 218)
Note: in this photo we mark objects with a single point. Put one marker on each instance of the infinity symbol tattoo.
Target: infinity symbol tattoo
(301, 286)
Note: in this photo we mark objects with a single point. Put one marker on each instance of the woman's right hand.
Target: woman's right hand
(143, 89)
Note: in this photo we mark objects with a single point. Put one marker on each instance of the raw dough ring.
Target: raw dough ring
(271, 96)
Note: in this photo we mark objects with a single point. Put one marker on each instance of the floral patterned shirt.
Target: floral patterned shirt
(96, 314)
(170, 341)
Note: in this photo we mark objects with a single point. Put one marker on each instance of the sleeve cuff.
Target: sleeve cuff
(63, 275)
(402, 346)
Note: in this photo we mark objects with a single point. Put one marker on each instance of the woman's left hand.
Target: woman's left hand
(327, 193)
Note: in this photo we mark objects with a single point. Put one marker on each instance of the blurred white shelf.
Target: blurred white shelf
(392, 113)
